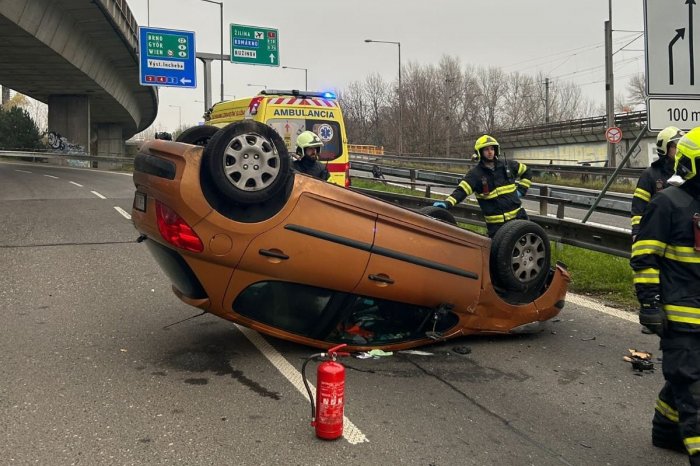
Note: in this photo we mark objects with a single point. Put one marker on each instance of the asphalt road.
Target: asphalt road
(90, 374)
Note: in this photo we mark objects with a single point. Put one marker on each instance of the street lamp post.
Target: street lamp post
(179, 114)
(306, 75)
(400, 92)
(264, 86)
(221, 31)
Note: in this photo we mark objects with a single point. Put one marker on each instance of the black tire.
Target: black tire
(197, 135)
(438, 213)
(247, 162)
(520, 258)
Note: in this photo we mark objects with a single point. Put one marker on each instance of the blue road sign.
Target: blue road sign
(167, 57)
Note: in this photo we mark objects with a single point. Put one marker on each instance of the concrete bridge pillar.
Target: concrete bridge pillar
(110, 140)
(69, 115)
(110, 143)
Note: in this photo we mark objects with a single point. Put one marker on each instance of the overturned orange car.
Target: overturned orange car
(242, 236)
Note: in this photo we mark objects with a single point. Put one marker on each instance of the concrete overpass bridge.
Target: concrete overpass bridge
(81, 58)
(578, 141)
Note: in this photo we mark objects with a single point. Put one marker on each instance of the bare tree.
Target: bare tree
(493, 86)
(636, 89)
(377, 95)
(521, 101)
(422, 123)
(445, 106)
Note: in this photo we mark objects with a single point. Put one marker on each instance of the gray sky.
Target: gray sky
(561, 38)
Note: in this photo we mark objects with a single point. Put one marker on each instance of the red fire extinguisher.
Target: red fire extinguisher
(327, 411)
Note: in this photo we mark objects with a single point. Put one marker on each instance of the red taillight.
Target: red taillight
(347, 176)
(175, 230)
(254, 104)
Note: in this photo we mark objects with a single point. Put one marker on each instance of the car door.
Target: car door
(323, 242)
(412, 262)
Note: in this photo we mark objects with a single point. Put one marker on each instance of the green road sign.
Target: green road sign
(167, 45)
(254, 45)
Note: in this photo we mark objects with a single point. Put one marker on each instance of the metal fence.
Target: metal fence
(616, 242)
(597, 238)
(612, 203)
(66, 158)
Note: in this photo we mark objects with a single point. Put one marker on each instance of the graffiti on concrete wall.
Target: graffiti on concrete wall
(61, 144)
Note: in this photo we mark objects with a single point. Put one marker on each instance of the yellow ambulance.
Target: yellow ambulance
(290, 113)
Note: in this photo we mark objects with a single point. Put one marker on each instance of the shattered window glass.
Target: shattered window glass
(338, 317)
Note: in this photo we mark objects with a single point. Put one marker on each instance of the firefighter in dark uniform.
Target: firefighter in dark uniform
(306, 156)
(655, 178)
(497, 184)
(666, 263)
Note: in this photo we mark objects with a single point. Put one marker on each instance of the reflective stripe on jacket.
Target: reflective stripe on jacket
(664, 259)
(651, 181)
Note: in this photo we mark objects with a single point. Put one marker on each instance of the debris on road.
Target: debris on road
(462, 349)
(641, 360)
(416, 352)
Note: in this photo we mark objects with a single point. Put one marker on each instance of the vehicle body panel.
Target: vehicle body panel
(325, 237)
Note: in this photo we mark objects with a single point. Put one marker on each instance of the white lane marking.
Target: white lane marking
(98, 194)
(22, 171)
(351, 433)
(77, 184)
(51, 176)
(124, 213)
(600, 307)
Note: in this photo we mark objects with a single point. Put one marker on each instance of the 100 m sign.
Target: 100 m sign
(682, 114)
(669, 111)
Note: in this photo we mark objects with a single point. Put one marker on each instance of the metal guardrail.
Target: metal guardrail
(38, 156)
(612, 203)
(570, 127)
(578, 169)
(611, 241)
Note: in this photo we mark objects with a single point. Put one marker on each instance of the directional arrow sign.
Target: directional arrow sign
(254, 45)
(670, 47)
(167, 57)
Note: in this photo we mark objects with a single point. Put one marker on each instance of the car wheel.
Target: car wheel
(197, 135)
(247, 162)
(520, 257)
(438, 213)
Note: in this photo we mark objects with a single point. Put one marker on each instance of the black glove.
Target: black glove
(652, 317)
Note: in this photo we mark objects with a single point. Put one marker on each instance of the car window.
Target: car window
(371, 321)
(292, 307)
(328, 131)
(338, 317)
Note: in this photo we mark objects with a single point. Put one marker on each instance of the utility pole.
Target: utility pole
(609, 86)
(546, 100)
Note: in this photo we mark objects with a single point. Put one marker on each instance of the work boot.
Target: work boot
(675, 445)
(665, 434)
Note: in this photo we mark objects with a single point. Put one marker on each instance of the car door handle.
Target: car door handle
(274, 253)
(381, 278)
